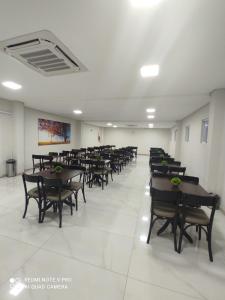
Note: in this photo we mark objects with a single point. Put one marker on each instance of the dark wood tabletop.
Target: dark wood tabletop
(164, 184)
(65, 175)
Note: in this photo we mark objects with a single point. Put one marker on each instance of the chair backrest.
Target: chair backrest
(53, 154)
(170, 197)
(76, 167)
(191, 179)
(198, 201)
(160, 169)
(177, 170)
(50, 183)
(185, 178)
(32, 179)
(195, 200)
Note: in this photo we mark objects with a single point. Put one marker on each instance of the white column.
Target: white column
(18, 136)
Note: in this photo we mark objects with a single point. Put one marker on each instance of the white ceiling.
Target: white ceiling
(113, 40)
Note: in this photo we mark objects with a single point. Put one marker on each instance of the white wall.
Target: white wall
(6, 134)
(11, 134)
(193, 154)
(90, 135)
(142, 138)
(31, 135)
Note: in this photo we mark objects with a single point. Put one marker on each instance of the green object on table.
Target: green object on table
(164, 163)
(176, 181)
(58, 169)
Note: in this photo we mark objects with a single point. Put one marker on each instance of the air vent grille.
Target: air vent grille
(43, 52)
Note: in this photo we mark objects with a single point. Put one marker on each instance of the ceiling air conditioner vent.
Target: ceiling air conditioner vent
(43, 52)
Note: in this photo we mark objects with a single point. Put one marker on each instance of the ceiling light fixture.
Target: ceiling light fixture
(150, 110)
(144, 3)
(109, 124)
(149, 71)
(12, 85)
(114, 126)
(78, 111)
(151, 117)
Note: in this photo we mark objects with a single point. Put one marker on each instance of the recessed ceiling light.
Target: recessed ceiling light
(150, 110)
(144, 3)
(115, 126)
(150, 125)
(151, 117)
(109, 124)
(78, 111)
(12, 85)
(150, 71)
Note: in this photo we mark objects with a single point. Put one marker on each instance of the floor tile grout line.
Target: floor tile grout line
(166, 288)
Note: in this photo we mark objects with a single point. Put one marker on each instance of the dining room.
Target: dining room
(112, 142)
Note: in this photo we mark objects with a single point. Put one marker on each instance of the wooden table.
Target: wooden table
(65, 175)
(164, 184)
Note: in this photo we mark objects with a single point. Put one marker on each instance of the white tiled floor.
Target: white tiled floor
(99, 248)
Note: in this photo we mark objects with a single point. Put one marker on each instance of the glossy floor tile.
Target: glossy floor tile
(101, 251)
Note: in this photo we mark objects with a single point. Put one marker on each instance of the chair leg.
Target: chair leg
(26, 205)
(210, 244)
(181, 237)
(199, 233)
(40, 208)
(83, 195)
(175, 233)
(111, 176)
(76, 194)
(150, 229)
(71, 205)
(60, 214)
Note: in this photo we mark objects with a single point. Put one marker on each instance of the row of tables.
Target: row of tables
(164, 184)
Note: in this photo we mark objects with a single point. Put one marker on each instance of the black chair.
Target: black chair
(34, 193)
(46, 161)
(76, 186)
(37, 162)
(164, 206)
(99, 173)
(54, 156)
(191, 216)
(55, 195)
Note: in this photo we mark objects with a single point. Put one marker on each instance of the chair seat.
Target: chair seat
(74, 186)
(33, 193)
(196, 216)
(53, 195)
(165, 211)
(100, 172)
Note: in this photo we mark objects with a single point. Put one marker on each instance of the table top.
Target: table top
(65, 175)
(164, 184)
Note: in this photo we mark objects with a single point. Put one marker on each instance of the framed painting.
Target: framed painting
(53, 132)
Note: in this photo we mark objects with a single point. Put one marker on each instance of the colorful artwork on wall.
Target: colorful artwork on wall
(53, 132)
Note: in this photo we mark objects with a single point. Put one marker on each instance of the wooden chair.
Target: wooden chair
(164, 206)
(192, 216)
